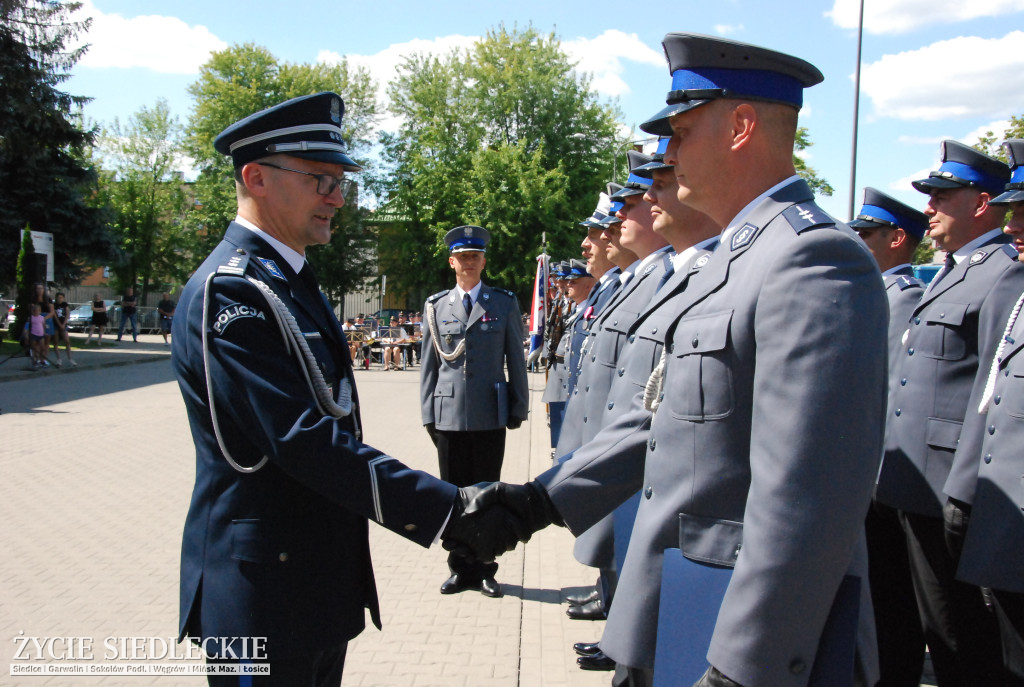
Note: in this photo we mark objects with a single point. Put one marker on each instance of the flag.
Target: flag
(538, 309)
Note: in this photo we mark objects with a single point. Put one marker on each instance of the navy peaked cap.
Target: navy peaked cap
(1015, 189)
(467, 238)
(308, 127)
(705, 68)
(963, 166)
(885, 212)
(577, 269)
(657, 160)
(635, 184)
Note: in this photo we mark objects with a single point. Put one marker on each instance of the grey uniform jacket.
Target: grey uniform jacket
(768, 439)
(993, 553)
(956, 323)
(904, 291)
(571, 436)
(471, 392)
(557, 387)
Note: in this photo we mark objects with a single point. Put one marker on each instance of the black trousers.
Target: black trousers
(319, 669)
(465, 459)
(897, 619)
(960, 629)
(1009, 608)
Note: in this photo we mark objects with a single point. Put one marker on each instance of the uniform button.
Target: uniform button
(661, 396)
(917, 320)
(622, 371)
(410, 528)
(671, 347)
(736, 553)
(1006, 373)
(903, 382)
(652, 444)
(593, 358)
(587, 388)
(584, 418)
(991, 429)
(695, 342)
(283, 557)
(648, 492)
(988, 458)
(611, 404)
(796, 666)
(613, 323)
(898, 412)
(654, 331)
(910, 351)
(997, 399)
(942, 315)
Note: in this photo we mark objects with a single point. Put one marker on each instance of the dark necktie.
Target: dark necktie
(947, 267)
(670, 269)
(309, 280)
(467, 303)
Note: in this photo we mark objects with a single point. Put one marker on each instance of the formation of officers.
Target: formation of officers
(791, 461)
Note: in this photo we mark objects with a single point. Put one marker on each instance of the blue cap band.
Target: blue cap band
(662, 147)
(468, 243)
(638, 181)
(1018, 175)
(876, 212)
(755, 83)
(968, 173)
(616, 206)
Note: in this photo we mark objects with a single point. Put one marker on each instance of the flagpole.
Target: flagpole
(856, 111)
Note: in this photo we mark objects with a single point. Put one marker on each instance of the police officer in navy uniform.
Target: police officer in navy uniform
(764, 447)
(275, 543)
(952, 335)
(993, 553)
(577, 284)
(472, 333)
(892, 231)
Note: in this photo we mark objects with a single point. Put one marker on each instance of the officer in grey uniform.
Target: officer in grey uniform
(993, 553)
(275, 544)
(892, 231)
(763, 450)
(471, 334)
(555, 346)
(956, 325)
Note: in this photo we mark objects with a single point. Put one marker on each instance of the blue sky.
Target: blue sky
(932, 69)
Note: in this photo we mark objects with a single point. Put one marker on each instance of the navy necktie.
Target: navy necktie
(467, 303)
(947, 267)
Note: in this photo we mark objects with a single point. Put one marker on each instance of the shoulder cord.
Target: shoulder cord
(655, 384)
(460, 348)
(294, 342)
(993, 372)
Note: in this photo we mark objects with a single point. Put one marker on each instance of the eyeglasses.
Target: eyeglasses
(325, 183)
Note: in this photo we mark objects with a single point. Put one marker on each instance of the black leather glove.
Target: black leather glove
(530, 503)
(514, 423)
(479, 527)
(713, 678)
(956, 515)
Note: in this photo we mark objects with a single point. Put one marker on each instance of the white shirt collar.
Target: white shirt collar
(679, 259)
(964, 251)
(474, 292)
(739, 219)
(294, 260)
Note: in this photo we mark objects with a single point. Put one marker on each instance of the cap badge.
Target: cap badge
(336, 110)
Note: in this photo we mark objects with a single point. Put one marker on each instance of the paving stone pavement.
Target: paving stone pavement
(98, 468)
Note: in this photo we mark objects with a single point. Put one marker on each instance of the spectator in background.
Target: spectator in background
(45, 303)
(36, 336)
(99, 319)
(165, 308)
(61, 311)
(129, 312)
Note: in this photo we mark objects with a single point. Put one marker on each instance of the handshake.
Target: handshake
(490, 519)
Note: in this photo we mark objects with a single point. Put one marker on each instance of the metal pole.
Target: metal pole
(856, 111)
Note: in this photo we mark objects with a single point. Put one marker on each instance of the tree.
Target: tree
(44, 178)
(244, 79)
(990, 144)
(819, 185)
(26, 275)
(506, 136)
(146, 196)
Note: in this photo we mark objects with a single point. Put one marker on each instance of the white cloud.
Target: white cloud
(921, 140)
(163, 44)
(952, 79)
(904, 183)
(604, 59)
(997, 127)
(901, 16)
(728, 29)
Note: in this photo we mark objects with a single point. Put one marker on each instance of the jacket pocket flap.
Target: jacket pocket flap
(449, 328)
(702, 334)
(250, 543)
(710, 540)
(943, 433)
(444, 389)
(949, 314)
(620, 321)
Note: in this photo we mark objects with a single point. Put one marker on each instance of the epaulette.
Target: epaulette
(235, 263)
(438, 295)
(504, 291)
(1011, 251)
(804, 216)
(905, 282)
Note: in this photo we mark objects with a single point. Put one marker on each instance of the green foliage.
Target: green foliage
(990, 144)
(26, 275)
(506, 136)
(147, 198)
(45, 180)
(819, 185)
(924, 252)
(244, 79)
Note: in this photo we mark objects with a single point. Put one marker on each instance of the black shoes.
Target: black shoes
(583, 598)
(586, 648)
(596, 661)
(455, 584)
(593, 610)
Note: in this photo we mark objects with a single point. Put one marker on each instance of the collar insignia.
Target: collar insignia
(274, 270)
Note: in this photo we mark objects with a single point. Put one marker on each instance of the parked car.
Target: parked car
(80, 318)
(6, 313)
(926, 272)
